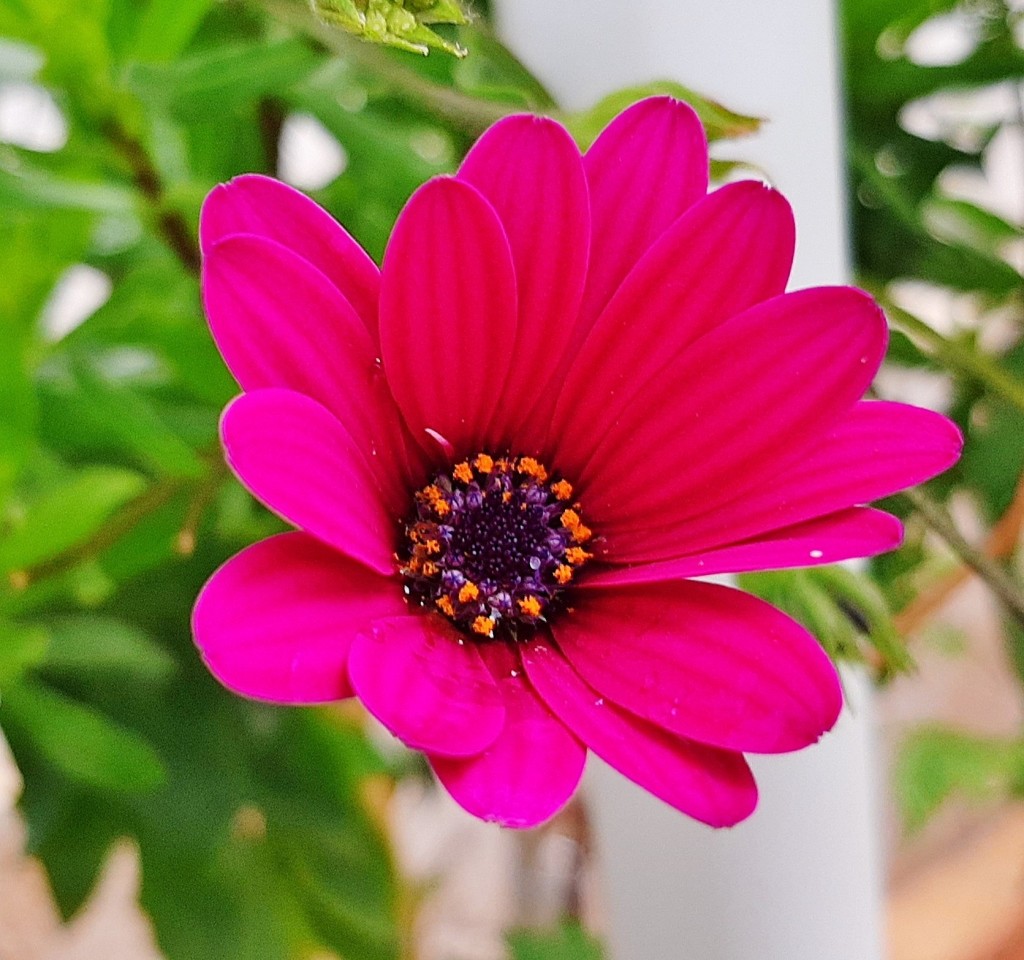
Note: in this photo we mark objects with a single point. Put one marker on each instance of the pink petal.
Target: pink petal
(645, 169)
(706, 662)
(711, 785)
(728, 252)
(876, 449)
(279, 322)
(298, 460)
(276, 621)
(527, 775)
(856, 532)
(429, 687)
(531, 172)
(271, 209)
(745, 397)
(448, 313)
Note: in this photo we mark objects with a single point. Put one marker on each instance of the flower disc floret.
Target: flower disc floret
(493, 543)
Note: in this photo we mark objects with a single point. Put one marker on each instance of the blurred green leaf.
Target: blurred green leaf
(85, 413)
(959, 221)
(22, 647)
(166, 27)
(35, 189)
(935, 763)
(719, 121)
(104, 646)
(216, 80)
(491, 71)
(80, 741)
(67, 515)
(839, 606)
(569, 942)
(864, 604)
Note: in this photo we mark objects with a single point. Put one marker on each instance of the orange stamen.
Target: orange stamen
(562, 489)
(483, 625)
(530, 606)
(445, 606)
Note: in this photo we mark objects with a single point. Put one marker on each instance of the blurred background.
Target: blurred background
(145, 812)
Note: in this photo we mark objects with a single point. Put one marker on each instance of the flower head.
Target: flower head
(575, 385)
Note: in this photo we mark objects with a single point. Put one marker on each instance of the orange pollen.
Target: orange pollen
(483, 625)
(571, 520)
(562, 489)
(582, 534)
(577, 555)
(445, 606)
(468, 592)
(441, 507)
(432, 546)
(429, 568)
(530, 606)
(532, 468)
(563, 573)
(464, 472)
(506, 496)
(484, 463)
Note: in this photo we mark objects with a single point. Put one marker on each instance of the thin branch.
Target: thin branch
(173, 226)
(959, 359)
(999, 545)
(118, 526)
(998, 580)
(472, 114)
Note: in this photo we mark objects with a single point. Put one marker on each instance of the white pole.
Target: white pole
(802, 879)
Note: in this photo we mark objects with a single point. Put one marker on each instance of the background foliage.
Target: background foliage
(261, 828)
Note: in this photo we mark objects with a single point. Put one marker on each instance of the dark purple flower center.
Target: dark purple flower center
(493, 544)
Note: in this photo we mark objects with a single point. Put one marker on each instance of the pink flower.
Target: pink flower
(575, 385)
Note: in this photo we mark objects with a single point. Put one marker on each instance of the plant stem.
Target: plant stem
(998, 580)
(999, 545)
(173, 227)
(118, 526)
(471, 114)
(959, 359)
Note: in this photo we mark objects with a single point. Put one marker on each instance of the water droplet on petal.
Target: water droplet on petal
(599, 702)
(817, 554)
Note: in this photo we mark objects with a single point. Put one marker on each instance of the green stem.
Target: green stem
(955, 357)
(172, 225)
(471, 114)
(118, 526)
(998, 580)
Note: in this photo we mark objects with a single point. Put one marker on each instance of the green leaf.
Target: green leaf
(166, 28)
(958, 221)
(493, 72)
(84, 411)
(799, 595)
(22, 647)
(934, 763)
(719, 121)
(28, 188)
(569, 942)
(860, 599)
(105, 646)
(80, 741)
(17, 425)
(67, 515)
(227, 76)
